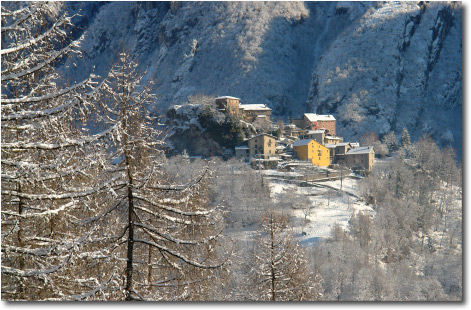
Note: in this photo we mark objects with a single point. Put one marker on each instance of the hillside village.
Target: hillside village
(310, 140)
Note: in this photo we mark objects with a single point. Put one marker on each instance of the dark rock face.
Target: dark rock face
(375, 66)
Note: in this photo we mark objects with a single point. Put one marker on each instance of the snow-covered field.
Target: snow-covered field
(329, 207)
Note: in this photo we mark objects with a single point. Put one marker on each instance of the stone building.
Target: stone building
(228, 104)
(262, 145)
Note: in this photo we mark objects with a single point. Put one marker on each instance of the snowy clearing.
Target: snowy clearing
(329, 206)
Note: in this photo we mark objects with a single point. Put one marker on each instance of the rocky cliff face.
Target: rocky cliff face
(375, 66)
(399, 65)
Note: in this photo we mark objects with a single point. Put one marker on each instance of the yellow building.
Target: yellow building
(309, 149)
(262, 145)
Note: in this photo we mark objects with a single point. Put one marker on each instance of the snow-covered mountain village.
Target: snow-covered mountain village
(231, 151)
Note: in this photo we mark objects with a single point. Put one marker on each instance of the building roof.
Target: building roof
(310, 132)
(262, 134)
(360, 150)
(332, 145)
(333, 138)
(312, 117)
(302, 142)
(227, 97)
(254, 107)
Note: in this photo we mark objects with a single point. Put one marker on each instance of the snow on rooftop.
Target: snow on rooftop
(360, 150)
(330, 145)
(257, 107)
(333, 145)
(313, 117)
(302, 142)
(263, 134)
(227, 97)
(310, 132)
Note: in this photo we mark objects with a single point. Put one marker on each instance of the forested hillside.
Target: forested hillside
(377, 66)
(93, 209)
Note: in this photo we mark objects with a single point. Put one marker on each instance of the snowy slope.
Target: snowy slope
(376, 66)
(398, 66)
(329, 207)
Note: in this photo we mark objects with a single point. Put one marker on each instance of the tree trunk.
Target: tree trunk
(130, 244)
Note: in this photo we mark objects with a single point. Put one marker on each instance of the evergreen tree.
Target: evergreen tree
(405, 138)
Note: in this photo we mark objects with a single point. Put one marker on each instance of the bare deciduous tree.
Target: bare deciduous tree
(280, 270)
(48, 163)
(166, 237)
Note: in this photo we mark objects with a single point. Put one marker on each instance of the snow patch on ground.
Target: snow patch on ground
(329, 207)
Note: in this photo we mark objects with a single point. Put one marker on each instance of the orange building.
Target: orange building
(309, 149)
(316, 121)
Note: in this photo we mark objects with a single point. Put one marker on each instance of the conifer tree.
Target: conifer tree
(48, 162)
(164, 238)
(405, 138)
(280, 270)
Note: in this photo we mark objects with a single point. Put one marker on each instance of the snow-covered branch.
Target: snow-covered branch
(34, 114)
(49, 33)
(181, 256)
(23, 18)
(60, 196)
(162, 204)
(177, 240)
(54, 146)
(41, 65)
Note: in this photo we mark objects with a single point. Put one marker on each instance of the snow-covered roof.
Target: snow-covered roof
(333, 145)
(330, 145)
(302, 142)
(360, 150)
(263, 134)
(242, 147)
(310, 132)
(254, 107)
(227, 97)
(313, 117)
(333, 138)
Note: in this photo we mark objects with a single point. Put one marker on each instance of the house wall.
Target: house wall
(251, 115)
(231, 105)
(364, 161)
(330, 125)
(318, 137)
(318, 154)
(302, 151)
(264, 145)
(330, 140)
(242, 154)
